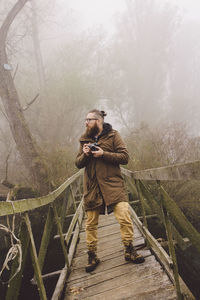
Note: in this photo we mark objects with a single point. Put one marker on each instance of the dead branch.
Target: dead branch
(9, 19)
(3, 113)
(31, 102)
(7, 158)
(15, 72)
(7, 184)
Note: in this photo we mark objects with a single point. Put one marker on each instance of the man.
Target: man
(101, 152)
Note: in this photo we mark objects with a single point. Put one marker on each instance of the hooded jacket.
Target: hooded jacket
(103, 183)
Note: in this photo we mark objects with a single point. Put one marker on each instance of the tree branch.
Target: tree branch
(7, 158)
(15, 72)
(3, 112)
(9, 19)
(31, 102)
(5, 182)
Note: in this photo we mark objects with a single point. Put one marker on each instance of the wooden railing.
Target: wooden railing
(178, 228)
(57, 206)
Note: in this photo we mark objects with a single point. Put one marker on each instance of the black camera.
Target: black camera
(93, 147)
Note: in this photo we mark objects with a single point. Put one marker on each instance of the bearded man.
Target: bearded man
(101, 152)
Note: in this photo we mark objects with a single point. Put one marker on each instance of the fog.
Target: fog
(137, 60)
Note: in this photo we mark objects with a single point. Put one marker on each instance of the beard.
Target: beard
(92, 131)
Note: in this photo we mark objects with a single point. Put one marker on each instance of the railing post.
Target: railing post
(36, 266)
(45, 237)
(74, 203)
(172, 252)
(61, 235)
(137, 182)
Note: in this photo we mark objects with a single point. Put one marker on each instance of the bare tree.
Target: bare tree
(26, 145)
(137, 68)
(36, 45)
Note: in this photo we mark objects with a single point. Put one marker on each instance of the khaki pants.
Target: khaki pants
(122, 214)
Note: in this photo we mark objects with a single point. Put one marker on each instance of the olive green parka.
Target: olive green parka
(103, 183)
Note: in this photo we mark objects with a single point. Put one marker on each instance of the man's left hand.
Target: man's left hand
(98, 153)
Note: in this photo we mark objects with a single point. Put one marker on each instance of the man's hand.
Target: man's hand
(86, 149)
(98, 153)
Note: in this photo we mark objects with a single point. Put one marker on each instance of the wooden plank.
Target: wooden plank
(172, 251)
(105, 264)
(37, 271)
(62, 241)
(155, 293)
(178, 218)
(182, 171)
(162, 256)
(118, 288)
(113, 271)
(183, 244)
(73, 222)
(19, 206)
(142, 203)
(63, 211)
(132, 188)
(109, 242)
(61, 281)
(105, 256)
(124, 268)
(45, 238)
(104, 281)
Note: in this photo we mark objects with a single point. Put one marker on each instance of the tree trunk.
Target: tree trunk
(37, 48)
(25, 143)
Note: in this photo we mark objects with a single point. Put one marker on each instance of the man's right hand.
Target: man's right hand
(86, 149)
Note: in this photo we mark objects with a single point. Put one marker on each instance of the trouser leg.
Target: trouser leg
(91, 229)
(122, 214)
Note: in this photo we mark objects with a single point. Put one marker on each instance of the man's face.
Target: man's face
(92, 124)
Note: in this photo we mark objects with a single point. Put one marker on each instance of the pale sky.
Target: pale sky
(94, 13)
(103, 11)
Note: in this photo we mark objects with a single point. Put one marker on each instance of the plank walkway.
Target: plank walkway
(115, 278)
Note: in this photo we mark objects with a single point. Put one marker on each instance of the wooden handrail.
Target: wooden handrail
(20, 206)
(58, 208)
(169, 213)
(182, 171)
(56, 212)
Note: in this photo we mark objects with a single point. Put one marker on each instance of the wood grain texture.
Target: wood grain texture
(114, 278)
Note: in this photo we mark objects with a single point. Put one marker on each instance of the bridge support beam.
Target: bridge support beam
(38, 275)
(172, 252)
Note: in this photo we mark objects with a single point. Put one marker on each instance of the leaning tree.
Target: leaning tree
(27, 147)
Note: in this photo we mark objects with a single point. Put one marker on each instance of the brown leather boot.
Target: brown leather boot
(132, 256)
(93, 261)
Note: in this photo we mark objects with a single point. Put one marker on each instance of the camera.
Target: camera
(93, 147)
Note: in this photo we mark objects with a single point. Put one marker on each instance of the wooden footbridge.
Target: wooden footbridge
(61, 216)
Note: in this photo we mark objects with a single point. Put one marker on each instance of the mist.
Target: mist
(137, 60)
